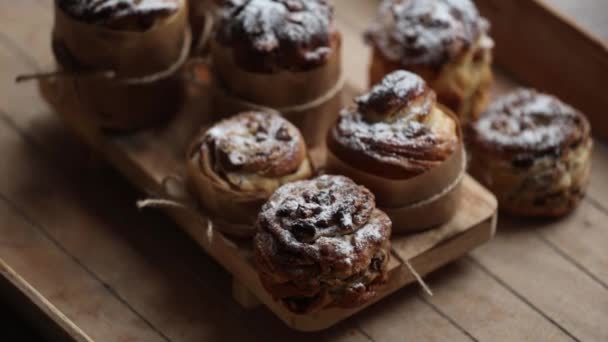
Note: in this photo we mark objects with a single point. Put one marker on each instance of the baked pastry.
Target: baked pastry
(267, 36)
(124, 56)
(407, 149)
(236, 165)
(444, 41)
(282, 54)
(533, 152)
(129, 15)
(322, 243)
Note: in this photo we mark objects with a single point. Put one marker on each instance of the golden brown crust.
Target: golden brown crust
(136, 15)
(533, 152)
(237, 164)
(272, 35)
(322, 243)
(396, 131)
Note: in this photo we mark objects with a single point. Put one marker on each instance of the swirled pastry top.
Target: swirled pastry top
(529, 121)
(271, 35)
(426, 32)
(396, 129)
(120, 14)
(328, 223)
(255, 143)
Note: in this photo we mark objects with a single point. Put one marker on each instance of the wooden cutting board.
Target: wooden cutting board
(149, 158)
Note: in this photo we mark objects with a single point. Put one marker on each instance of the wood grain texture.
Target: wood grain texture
(514, 293)
(547, 281)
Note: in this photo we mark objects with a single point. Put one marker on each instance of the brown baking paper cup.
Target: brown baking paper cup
(432, 212)
(232, 212)
(279, 89)
(413, 204)
(397, 193)
(311, 100)
(145, 88)
(313, 119)
(416, 203)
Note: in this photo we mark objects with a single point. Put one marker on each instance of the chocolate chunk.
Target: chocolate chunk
(304, 231)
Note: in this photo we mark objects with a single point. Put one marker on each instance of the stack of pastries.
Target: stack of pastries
(141, 44)
(291, 47)
(534, 152)
(405, 147)
(322, 243)
(444, 41)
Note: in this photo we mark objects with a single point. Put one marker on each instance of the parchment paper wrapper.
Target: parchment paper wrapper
(232, 212)
(417, 203)
(146, 88)
(311, 100)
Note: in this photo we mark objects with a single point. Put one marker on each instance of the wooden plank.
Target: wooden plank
(486, 309)
(549, 282)
(32, 304)
(43, 264)
(581, 238)
(549, 52)
(403, 316)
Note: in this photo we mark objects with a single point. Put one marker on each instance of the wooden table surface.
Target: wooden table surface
(535, 281)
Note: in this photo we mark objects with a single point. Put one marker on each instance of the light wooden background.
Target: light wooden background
(132, 276)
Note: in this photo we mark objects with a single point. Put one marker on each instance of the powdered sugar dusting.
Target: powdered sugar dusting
(297, 29)
(394, 93)
(426, 32)
(528, 120)
(255, 142)
(327, 217)
(104, 10)
(403, 103)
(322, 237)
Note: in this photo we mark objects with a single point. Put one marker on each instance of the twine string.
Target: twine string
(328, 95)
(415, 273)
(111, 75)
(419, 279)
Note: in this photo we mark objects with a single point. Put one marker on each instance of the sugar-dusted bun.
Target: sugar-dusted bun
(238, 163)
(137, 15)
(444, 41)
(533, 151)
(272, 35)
(403, 146)
(396, 130)
(322, 243)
